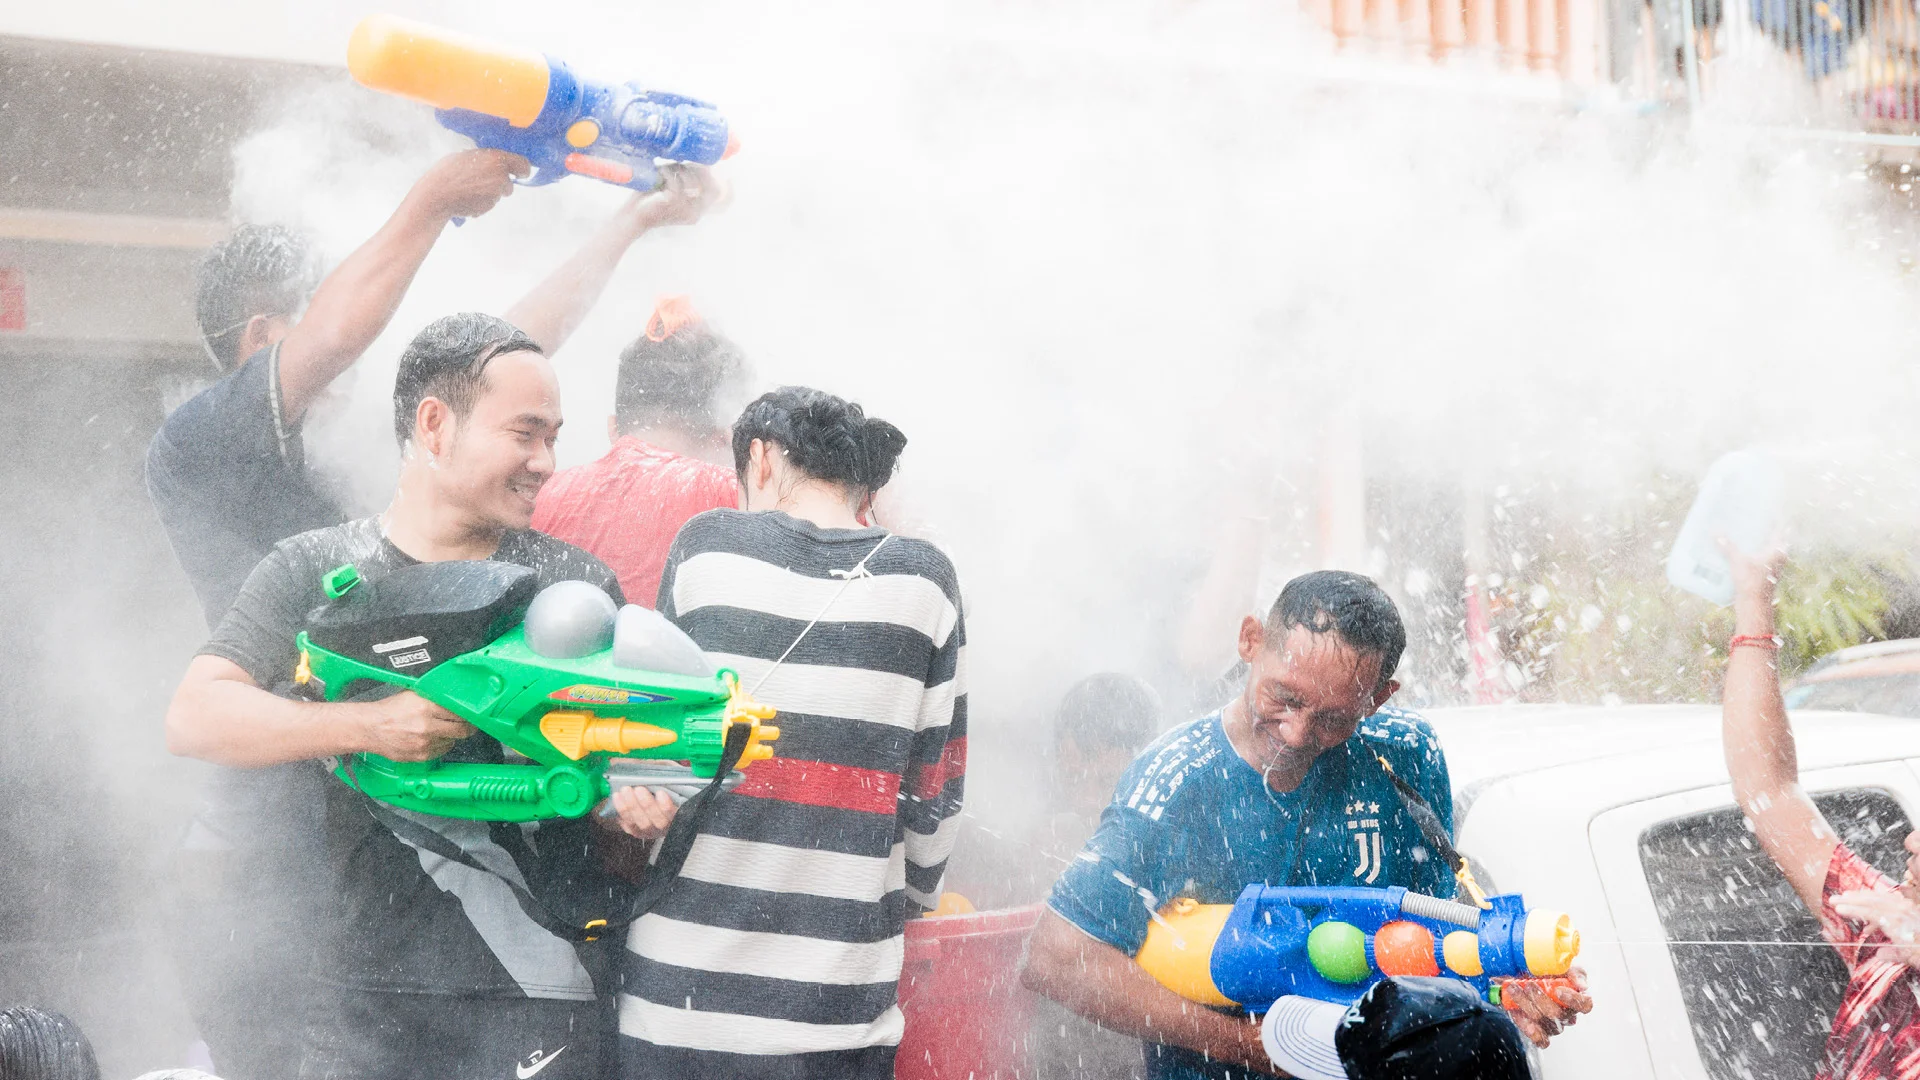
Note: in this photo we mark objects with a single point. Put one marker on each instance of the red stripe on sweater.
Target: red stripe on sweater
(932, 779)
(813, 783)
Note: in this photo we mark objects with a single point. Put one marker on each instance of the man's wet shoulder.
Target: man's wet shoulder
(556, 560)
(1176, 768)
(1397, 727)
(331, 545)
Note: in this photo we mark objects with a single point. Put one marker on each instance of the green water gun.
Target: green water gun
(583, 696)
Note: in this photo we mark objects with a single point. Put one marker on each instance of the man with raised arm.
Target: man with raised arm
(1283, 786)
(226, 470)
(1872, 921)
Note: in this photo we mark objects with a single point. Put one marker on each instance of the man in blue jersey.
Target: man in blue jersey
(1282, 786)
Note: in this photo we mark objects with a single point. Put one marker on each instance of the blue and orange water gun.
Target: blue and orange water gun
(523, 102)
(1334, 943)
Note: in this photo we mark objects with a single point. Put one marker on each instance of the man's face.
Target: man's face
(500, 454)
(1308, 692)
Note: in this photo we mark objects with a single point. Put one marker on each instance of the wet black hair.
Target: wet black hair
(825, 437)
(40, 1045)
(677, 380)
(1108, 711)
(258, 270)
(1350, 605)
(448, 360)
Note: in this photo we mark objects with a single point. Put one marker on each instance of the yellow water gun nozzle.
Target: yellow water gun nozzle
(742, 709)
(577, 734)
(1550, 942)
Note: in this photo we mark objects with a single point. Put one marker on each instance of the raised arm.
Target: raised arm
(220, 714)
(1104, 985)
(556, 307)
(1759, 742)
(357, 300)
(1225, 595)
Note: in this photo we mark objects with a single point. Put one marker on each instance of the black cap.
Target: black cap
(1403, 1028)
(1418, 1028)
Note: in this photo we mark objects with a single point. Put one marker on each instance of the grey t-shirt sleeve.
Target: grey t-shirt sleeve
(258, 630)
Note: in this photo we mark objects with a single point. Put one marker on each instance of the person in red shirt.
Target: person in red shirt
(1872, 920)
(627, 507)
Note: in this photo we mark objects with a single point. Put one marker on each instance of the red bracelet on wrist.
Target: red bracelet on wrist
(1762, 641)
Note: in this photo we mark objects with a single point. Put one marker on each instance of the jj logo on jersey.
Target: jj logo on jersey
(1363, 824)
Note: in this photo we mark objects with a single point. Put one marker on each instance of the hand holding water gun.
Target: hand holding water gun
(583, 698)
(519, 101)
(1332, 944)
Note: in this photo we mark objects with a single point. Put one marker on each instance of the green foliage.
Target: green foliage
(1832, 599)
(1590, 616)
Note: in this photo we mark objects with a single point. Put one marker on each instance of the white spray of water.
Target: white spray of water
(1112, 267)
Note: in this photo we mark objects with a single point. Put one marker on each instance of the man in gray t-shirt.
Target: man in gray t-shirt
(427, 967)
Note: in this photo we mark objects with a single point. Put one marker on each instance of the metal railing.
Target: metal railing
(1845, 69)
(1839, 67)
(1545, 37)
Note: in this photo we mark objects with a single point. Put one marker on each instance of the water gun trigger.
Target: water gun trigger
(541, 176)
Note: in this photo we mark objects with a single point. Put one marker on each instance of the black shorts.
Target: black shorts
(371, 1035)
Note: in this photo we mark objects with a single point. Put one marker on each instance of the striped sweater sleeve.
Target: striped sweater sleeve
(935, 781)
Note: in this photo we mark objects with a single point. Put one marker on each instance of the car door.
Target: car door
(1729, 973)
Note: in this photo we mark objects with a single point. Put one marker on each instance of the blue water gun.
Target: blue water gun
(1332, 944)
(533, 105)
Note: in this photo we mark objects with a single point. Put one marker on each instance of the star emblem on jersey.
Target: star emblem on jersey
(525, 1070)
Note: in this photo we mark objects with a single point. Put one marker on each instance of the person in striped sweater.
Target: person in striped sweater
(777, 951)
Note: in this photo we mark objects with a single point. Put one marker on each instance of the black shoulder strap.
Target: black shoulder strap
(665, 867)
(1435, 833)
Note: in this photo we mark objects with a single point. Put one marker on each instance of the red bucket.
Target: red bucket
(967, 1014)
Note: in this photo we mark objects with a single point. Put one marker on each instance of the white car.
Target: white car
(1704, 964)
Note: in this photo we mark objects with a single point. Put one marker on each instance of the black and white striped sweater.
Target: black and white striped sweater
(783, 935)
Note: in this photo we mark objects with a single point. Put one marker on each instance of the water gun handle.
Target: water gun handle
(334, 672)
(1549, 986)
(540, 178)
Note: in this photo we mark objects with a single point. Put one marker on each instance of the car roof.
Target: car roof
(1873, 665)
(1609, 754)
(1906, 648)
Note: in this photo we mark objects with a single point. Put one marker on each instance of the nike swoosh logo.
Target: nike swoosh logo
(535, 1063)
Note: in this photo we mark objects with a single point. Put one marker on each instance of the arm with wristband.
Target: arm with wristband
(1761, 757)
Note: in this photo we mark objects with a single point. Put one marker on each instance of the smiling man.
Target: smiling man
(428, 966)
(1280, 787)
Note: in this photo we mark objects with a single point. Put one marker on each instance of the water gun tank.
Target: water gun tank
(644, 639)
(414, 618)
(448, 70)
(570, 619)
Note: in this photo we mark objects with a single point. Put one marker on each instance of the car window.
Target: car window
(1761, 1004)
(1890, 695)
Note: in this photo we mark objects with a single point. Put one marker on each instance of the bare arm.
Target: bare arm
(1225, 596)
(1104, 985)
(1759, 743)
(220, 714)
(357, 300)
(556, 307)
